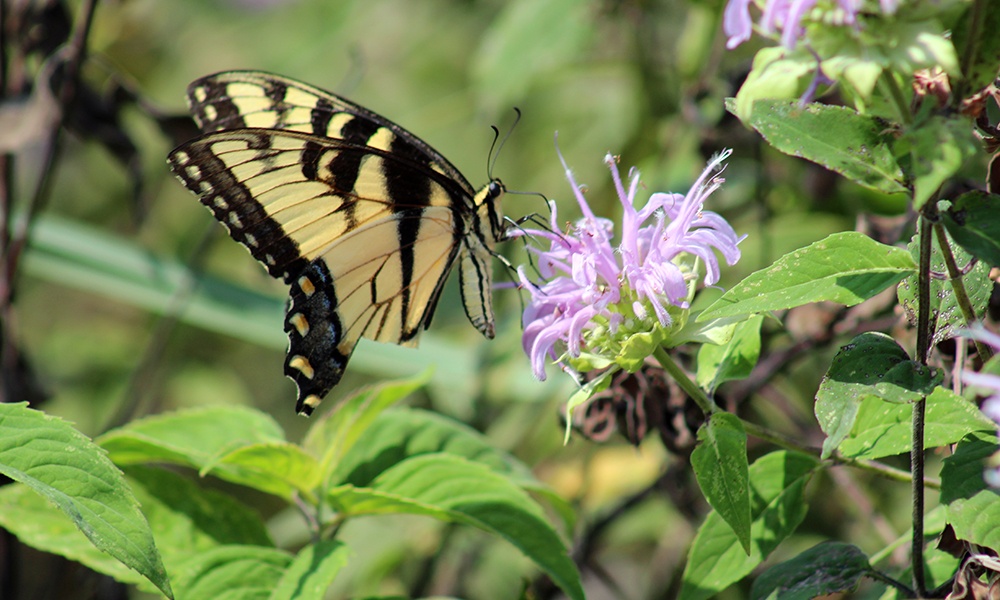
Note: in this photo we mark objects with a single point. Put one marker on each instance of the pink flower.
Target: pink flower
(786, 16)
(592, 290)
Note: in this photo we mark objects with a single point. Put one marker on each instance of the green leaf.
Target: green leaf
(453, 489)
(580, 396)
(873, 364)
(946, 315)
(860, 72)
(399, 433)
(312, 572)
(977, 519)
(637, 348)
(776, 74)
(278, 468)
(186, 516)
(67, 469)
(43, 526)
(730, 361)
(716, 559)
(823, 569)
(883, 429)
(847, 268)
(231, 573)
(938, 148)
(193, 437)
(858, 147)
(720, 464)
(973, 223)
(237, 444)
(973, 507)
(962, 472)
(716, 332)
(333, 435)
(919, 44)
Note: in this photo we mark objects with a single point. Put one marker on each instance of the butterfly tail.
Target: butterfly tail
(318, 350)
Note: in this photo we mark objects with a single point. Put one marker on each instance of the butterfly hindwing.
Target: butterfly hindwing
(362, 219)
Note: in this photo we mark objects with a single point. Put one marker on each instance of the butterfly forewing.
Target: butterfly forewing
(241, 99)
(360, 217)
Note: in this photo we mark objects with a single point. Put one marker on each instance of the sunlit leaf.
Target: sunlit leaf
(716, 559)
(847, 268)
(56, 461)
(453, 489)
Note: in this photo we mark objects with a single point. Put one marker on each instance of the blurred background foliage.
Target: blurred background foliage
(132, 303)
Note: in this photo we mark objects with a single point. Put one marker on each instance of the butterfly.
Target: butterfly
(362, 219)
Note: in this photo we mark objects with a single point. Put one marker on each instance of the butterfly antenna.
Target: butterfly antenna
(495, 155)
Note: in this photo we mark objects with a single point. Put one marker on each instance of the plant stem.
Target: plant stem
(884, 471)
(907, 592)
(706, 404)
(896, 95)
(983, 351)
(928, 216)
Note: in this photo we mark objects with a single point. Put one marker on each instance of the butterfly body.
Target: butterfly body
(361, 218)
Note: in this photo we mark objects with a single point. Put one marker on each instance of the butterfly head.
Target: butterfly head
(487, 203)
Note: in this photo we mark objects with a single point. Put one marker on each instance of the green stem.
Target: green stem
(885, 471)
(983, 351)
(706, 404)
(889, 83)
(878, 575)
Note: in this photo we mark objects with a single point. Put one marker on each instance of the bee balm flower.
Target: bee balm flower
(596, 297)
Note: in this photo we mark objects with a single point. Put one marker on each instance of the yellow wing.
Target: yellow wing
(366, 247)
(360, 217)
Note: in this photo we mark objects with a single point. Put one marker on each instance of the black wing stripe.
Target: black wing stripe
(311, 154)
(320, 117)
(234, 206)
(275, 91)
(359, 131)
(408, 190)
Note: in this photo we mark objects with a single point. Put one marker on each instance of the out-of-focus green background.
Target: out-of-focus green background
(645, 80)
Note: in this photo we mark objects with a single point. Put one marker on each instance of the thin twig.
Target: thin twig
(77, 51)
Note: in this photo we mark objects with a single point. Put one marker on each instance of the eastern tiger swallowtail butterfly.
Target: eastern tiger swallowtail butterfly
(361, 218)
